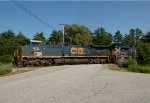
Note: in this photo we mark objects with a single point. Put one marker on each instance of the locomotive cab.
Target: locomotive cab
(37, 53)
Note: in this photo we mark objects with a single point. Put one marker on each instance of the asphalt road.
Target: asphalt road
(75, 84)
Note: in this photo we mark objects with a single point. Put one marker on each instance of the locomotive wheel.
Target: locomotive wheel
(31, 62)
(103, 61)
(25, 63)
(50, 62)
(93, 61)
(98, 61)
(44, 62)
(37, 63)
(90, 61)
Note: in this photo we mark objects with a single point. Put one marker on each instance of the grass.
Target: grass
(133, 66)
(139, 68)
(5, 68)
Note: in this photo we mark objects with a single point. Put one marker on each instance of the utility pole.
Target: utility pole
(63, 32)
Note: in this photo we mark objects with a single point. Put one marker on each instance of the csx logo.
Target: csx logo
(78, 50)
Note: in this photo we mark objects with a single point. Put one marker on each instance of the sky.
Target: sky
(111, 15)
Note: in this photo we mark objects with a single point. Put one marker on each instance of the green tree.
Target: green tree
(8, 34)
(21, 39)
(102, 37)
(143, 52)
(143, 49)
(118, 38)
(8, 43)
(138, 34)
(39, 36)
(76, 34)
(56, 36)
(146, 38)
(6, 46)
(127, 40)
(135, 35)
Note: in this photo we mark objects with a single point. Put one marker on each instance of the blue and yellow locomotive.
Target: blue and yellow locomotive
(40, 53)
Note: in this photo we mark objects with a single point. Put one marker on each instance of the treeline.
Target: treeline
(8, 43)
(78, 35)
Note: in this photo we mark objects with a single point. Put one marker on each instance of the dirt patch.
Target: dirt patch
(115, 67)
(17, 70)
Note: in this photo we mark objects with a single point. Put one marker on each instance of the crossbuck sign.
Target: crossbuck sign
(119, 53)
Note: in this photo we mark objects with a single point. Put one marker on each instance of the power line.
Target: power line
(32, 14)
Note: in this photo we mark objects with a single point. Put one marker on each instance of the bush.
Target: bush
(132, 65)
(124, 64)
(143, 53)
(139, 68)
(133, 68)
(5, 68)
(6, 59)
